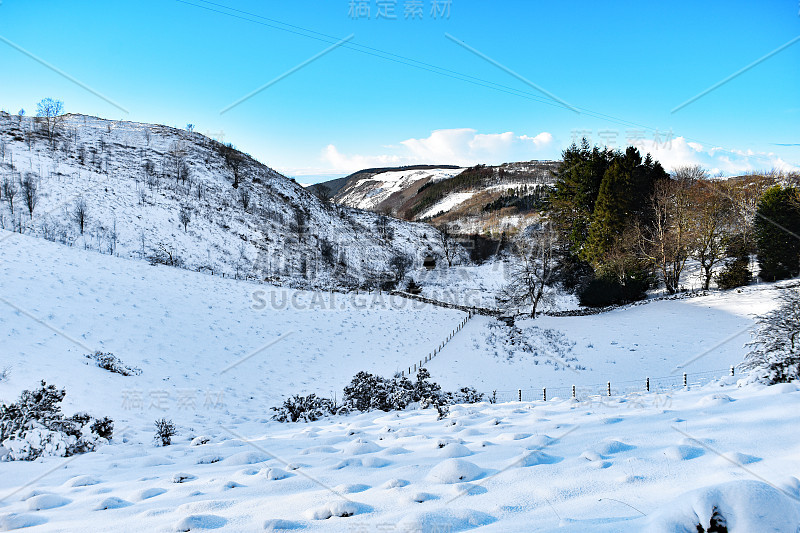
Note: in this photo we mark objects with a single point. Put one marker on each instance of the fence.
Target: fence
(412, 370)
(588, 392)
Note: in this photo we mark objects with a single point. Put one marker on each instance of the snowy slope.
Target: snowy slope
(284, 232)
(562, 465)
(369, 192)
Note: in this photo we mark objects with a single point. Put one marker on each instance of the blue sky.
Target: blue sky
(623, 65)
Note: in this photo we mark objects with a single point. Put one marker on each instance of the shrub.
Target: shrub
(35, 427)
(466, 395)
(412, 287)
(304, 408)
(607, 290)
(165, 430)
(774, 354)
(735, 274)
(109, 361)
(368, 392)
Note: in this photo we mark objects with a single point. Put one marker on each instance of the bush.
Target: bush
(466, 395)
(606, 290)
(412, 287)
(368, 392)
(34, 427)
(165, 430)
(304, 408)
(109, 361)
(774, 355)
(735, 274)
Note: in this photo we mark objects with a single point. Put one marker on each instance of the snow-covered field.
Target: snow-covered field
(206, 349)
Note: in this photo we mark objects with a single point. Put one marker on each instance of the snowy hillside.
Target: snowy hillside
(385, 189)
(153, 191)
(215, 354)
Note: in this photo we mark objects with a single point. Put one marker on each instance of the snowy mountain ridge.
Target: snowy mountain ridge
(178, 197)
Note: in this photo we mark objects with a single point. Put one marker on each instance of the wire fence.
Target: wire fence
(617, 388)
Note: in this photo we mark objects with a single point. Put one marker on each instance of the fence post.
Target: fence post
(544, 394)
(647, 384)
(415, 368)
(573, 391)
(684, 379)
(732, 369)
(608, 388)
(519, 394)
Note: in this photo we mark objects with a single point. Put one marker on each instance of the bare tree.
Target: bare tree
(9, 192)
(712, 213)
(49, 113)
(80, 214)
(665, 243)
(185, 217)
(30, 192)
(176, 159)
(533, 270)
(448, 244)
(244, 197)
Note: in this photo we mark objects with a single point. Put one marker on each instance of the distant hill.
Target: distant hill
(481, 199)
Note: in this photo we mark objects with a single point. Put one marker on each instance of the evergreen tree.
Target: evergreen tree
(776, 227)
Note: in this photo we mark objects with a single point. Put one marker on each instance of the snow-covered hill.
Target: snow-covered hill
(210, 361)
(384, 190)
(139, 183)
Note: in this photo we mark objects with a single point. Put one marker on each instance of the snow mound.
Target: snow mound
(47, 501)
(534, 458)
(446, 520)
(744, 506)
(277, 524)
(200, 521)
(18, 521)
(112, 503)
(684, 452)
(453, 450)
(340, 508)
(455, 471)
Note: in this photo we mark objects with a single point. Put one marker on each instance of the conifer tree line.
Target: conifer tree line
(625, 225)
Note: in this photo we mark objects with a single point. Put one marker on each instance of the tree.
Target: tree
(775, 350)
(80, 214)
(534, 268)
(30, 192)
(577, 186)
(49, 113)
(400, 264)
(323, 192)
(448, 244)
(233, 158)
(244, 197)
(712, 215)
(9, 192)
(623, 200)
(666, 242)
(185, 217)
(777, 233)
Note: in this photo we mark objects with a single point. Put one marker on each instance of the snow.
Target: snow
(370, 192)
(131, 215)
(446, 204)
(635, 461)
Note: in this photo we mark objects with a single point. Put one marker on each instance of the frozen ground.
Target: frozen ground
(600, 464)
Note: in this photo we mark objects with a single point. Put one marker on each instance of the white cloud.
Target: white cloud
(716, 160)
(460, 146)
